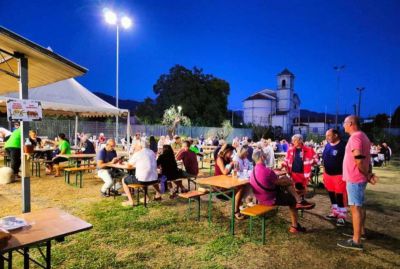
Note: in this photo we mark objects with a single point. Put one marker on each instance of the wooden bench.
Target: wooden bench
(211, 163)
(193, 195)
(78, 173)
(258, 211)
(141, 187)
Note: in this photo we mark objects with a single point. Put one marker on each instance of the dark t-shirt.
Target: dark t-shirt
(89, 147)
(333, 158)
(36, 142)
(106, 156)
(297, 166)
(169, 168)
(189, 159)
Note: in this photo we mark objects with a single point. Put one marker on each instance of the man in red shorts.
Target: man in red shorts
(333, 180)
(298, 163)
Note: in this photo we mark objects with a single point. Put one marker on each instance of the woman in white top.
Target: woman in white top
(242, 160)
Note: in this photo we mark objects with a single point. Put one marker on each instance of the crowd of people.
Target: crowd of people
(347, 168)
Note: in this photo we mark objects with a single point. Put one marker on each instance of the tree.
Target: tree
(173, 117)
(381, 121)
(396, 118)
(147, 112)
(226, 129)
(203, 97)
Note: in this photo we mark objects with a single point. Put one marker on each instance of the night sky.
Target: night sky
(244, 42)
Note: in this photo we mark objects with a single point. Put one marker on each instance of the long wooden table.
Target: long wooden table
(223, 185)
(44, 226)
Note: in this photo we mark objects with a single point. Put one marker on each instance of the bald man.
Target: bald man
(333, 180)
(107, 155)
(356, 173)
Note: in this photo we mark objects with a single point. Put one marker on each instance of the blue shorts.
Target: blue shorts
(356, 193)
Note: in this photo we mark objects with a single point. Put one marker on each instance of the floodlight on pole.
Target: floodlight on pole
(124, 22)
(338, 70)
(110, 17)
(179, 109)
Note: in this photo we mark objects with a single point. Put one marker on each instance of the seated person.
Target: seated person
(34, 139)
(223, 166)
(64, 148)
(169, 168)
(177, 144)
(107, 155)
(4, 134)
(242, 160)
(189, 159)
(144, 160)
(271, 190)
(87, 145)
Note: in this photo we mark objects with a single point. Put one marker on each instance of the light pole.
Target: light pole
(338, 70)
(359, 89)
(125, 22)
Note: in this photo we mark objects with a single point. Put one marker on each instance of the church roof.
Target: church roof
(286, 72)
(265, 94)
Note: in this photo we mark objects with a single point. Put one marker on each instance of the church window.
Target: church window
(283, 83)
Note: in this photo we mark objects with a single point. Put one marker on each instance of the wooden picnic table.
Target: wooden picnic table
(43, 226)
(77, 156)
(223, 185)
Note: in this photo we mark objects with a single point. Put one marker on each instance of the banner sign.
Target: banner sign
(24, 110)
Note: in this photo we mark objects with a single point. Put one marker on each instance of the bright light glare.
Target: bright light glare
(126, 22)
(110, 16)
(179, 108)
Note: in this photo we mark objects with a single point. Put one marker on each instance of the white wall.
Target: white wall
(258, 111)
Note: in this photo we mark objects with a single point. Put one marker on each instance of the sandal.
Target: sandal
(239, 216)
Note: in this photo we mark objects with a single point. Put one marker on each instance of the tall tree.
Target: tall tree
(203, 97)
(396, 117)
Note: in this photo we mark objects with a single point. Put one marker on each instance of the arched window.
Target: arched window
(283, 83)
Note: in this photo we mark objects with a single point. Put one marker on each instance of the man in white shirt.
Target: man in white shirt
(144, 160)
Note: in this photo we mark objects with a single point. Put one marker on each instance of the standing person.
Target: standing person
(107, 155)
(269, 151)
(298, 163)
(356, 173)
(386, 151)
(13, 150)
(332, 157)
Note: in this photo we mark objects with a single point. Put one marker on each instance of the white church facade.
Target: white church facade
(280, 107)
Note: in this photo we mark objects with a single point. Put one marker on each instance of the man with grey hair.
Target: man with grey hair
(270, 189)
(87, 145)
(107, 155)
(298, 163)
(144, 160)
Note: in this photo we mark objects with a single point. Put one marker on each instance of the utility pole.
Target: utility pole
(338, 70)
(360, 90)
(355, 109)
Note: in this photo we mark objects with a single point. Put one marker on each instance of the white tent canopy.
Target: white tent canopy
(68, 97)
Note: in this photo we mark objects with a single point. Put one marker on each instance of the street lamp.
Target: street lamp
(359, 89)
(125, 22)
(338, 70)
(179, 109)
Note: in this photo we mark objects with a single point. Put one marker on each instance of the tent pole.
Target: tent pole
(23, 94)
(76, 129)
(128, 133)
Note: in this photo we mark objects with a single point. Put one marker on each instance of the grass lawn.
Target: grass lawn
(161, 236)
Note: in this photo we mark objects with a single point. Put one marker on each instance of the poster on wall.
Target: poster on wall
(24, 110)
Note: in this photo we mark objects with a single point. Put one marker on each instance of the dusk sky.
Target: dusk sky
(244, 42)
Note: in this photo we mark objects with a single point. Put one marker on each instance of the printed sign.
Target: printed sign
(24, 110)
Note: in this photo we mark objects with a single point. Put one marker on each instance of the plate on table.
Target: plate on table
(12, 223)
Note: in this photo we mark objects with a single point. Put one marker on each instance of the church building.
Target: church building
(280, 107)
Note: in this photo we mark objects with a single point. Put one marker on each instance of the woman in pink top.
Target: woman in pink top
(271, 190)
